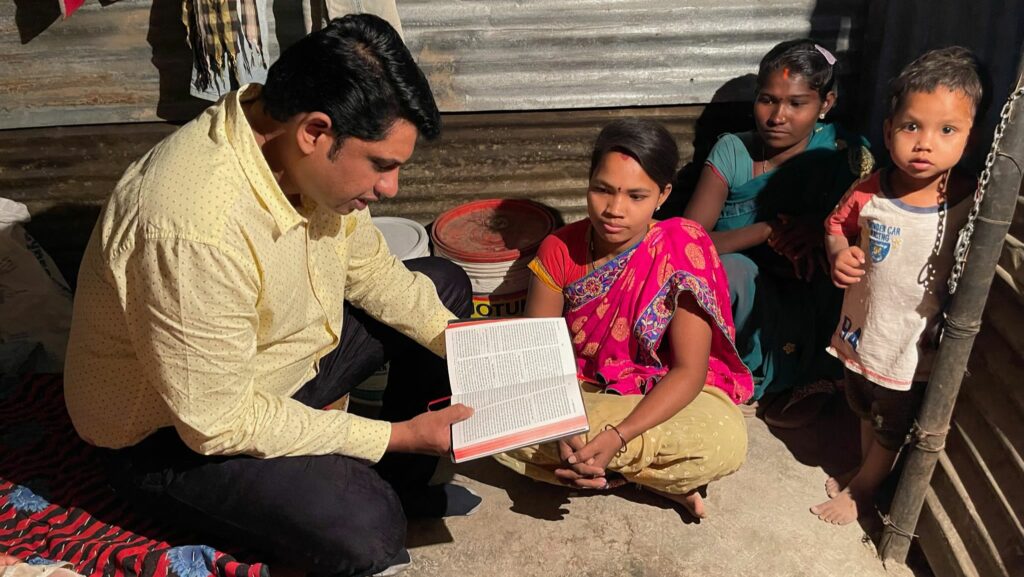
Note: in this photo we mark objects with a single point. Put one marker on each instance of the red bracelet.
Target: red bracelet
(612, 427)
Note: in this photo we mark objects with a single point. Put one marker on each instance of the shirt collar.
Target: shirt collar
(254, 165)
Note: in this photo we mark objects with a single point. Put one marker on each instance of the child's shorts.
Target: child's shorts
(890, 412)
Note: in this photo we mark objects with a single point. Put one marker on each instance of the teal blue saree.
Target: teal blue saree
(783, 323)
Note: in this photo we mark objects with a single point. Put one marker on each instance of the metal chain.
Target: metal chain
(963, 241)
(928, 274)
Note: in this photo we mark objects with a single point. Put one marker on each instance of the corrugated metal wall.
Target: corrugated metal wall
(543, 54)
(973, 520)
(128, 61)
(543, 156)
(124, 62)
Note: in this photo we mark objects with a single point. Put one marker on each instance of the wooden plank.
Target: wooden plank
(64, 174)
(962, 514)
(940, 542)
(992, 353)
(543, 156)
(71, 165)
(1003, 275)
(1005, 421)
(1011, 260)
(995, 382)
(1017, 223)
(992, 476)
(1005, 312)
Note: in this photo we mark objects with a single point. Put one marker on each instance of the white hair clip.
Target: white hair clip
(829, 57)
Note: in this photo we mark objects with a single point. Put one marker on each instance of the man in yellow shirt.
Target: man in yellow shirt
(234, 286)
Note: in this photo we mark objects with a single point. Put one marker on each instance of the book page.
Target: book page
(519, 376)
(498, 354)
(517, 408)
(474, 339)
(505, 369)
(481, 400)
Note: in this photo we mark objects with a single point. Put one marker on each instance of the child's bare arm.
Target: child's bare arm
(834, 243)
(847, 261)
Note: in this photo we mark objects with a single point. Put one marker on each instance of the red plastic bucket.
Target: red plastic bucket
(494, 241)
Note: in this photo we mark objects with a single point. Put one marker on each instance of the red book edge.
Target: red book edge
(519, 439)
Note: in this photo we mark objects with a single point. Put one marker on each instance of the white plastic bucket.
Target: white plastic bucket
(407, 239)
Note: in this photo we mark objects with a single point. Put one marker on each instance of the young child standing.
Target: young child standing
(906, 218)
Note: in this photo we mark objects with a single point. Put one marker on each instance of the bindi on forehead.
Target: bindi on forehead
(624, 156)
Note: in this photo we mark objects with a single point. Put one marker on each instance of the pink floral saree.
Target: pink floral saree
(619, 313)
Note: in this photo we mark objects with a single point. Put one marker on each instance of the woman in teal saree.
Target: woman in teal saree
(764, 195)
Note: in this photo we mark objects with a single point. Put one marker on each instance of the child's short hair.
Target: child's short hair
(955, 68)
(802, 57)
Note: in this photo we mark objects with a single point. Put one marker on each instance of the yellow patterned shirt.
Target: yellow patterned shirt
(205, 300)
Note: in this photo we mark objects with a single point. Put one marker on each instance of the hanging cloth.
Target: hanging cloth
(226, 37)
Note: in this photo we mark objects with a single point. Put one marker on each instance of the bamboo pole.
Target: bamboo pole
(962, 324)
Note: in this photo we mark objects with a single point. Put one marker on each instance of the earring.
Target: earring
(821, 116)
(657, 209)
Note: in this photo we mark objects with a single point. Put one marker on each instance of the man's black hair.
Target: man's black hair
(359, 73)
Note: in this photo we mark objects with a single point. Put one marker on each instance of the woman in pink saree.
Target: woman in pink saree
(647, 304)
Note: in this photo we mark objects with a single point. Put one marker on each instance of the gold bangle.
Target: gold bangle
(612, 427)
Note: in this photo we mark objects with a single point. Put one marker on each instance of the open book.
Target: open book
(519, 376)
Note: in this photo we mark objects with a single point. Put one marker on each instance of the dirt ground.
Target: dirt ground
(758, 521)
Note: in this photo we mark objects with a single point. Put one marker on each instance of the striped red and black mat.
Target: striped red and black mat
(55, 504)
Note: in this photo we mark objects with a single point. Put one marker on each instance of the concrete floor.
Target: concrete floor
(758, 521)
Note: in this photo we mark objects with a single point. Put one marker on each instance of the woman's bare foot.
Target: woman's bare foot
(692, 501)
(839, 510)
(833, 485)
